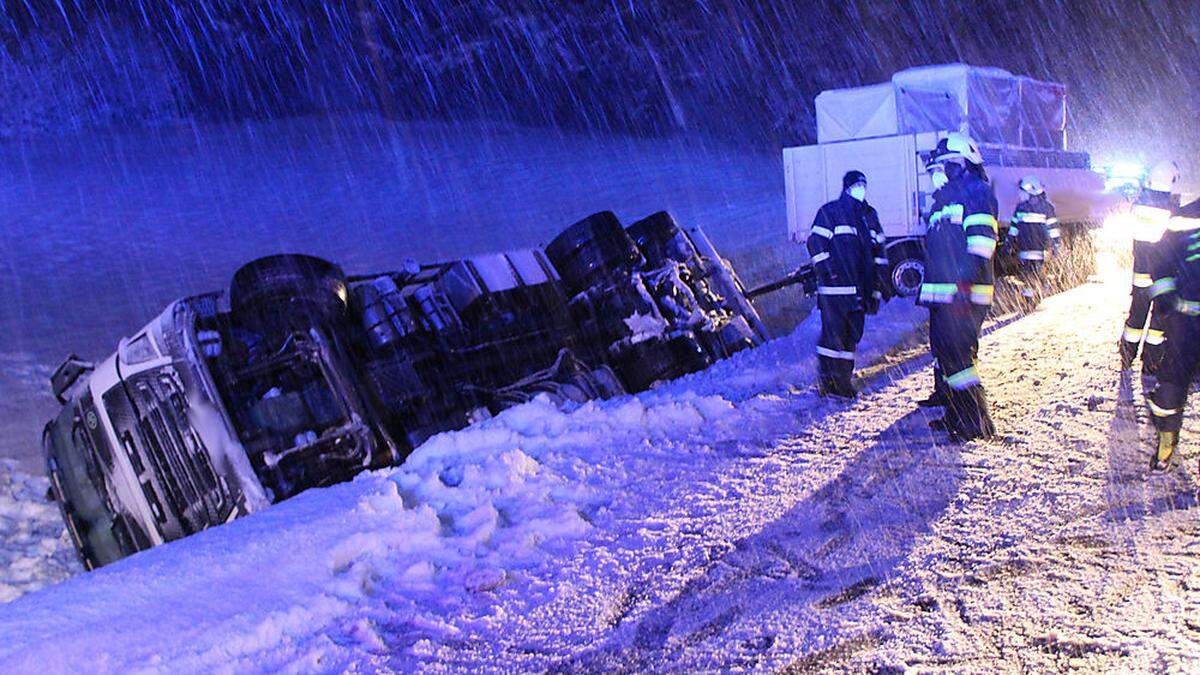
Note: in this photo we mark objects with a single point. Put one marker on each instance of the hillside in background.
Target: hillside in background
(735, 69)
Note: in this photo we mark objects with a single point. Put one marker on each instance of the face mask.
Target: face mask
(939, 179)
(858, 192)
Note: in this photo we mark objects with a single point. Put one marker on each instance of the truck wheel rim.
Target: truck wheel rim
(907, 276)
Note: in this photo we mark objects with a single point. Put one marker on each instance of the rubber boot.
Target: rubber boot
(836, 387)
(935, 400)
(1167, 441)
(1128, 351)
(940, 424)
(971, 420)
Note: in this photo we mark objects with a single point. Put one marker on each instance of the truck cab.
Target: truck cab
(887, 130)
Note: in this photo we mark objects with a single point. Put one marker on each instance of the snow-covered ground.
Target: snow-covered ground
(731, 519)
(35, 550)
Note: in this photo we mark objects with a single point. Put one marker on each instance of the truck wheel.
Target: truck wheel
(907, 269)
(289, 290)
(589, 251)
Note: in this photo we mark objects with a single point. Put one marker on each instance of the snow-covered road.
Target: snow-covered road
(730, 519)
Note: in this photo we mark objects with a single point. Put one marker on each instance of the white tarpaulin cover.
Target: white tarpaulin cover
(859, 112)
(993, 105)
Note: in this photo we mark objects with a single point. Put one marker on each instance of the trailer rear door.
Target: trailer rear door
(813, 176)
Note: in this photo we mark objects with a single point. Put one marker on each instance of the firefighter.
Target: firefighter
(959, 281)
(1175, 293)
(1151, 211)
(1033, 235)
(846, 246)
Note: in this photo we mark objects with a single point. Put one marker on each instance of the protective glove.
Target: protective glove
(871, 304)
(883, 283)
(963, 294)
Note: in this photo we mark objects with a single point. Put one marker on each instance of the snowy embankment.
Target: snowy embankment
(730, 519)
(477, 528)
(35, 549)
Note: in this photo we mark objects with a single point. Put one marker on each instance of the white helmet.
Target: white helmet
(956, 146)
(1163, 176)
(1032, 184)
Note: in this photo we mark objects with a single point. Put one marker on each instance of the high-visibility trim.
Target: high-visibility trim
(1188, 307)
(1160, 411)
(983, 294)
(822, 232)
(1132, 334)
(938, 293)
(1052, 221)
(964, 379)
(881, 261)
(953, 212)
(984, 219)
(981, 246)
(821, 257)
(837, 290)
(1029, 217)
(835, 354)
(1149, 222)
(844, 229)
(1163, 286)
(1054, 233)
(1183, 224)
(1150, 212)
(880, 238)
(1155, 337)
(878, 295)
(1032, 255)
(1014, 231)
(1142, 280)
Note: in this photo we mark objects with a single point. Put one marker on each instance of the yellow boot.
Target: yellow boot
(1167, 442)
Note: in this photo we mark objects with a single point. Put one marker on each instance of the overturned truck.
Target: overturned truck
(301, 376)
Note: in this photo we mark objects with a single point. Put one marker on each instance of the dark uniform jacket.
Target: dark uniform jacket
(960, 243)
(847, 249)
(1034, 229)
(1177, 267)
(1152, 212)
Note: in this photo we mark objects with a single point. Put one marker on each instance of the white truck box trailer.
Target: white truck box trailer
(886, 131)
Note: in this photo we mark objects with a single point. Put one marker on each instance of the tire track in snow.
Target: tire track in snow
(1069, 541)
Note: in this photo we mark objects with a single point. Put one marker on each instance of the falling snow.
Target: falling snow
(729, 520)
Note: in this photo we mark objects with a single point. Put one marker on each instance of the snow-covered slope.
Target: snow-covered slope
(395, 560)
(35, 550)
(725, 520)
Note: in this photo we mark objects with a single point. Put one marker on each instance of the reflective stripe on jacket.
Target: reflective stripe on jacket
(1034, 226)
(846, 246)
(960, 242)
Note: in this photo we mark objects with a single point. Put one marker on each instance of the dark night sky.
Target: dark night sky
(711, 66)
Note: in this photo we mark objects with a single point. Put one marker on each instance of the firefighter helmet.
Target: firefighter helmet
(955, 147)
(1163, 176)
(1032, 185)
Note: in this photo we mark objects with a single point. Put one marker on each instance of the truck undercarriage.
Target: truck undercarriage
(301, 376)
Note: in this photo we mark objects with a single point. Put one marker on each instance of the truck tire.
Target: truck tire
(592, 249)
(906, 268)
(661, 241)
(288, 291)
